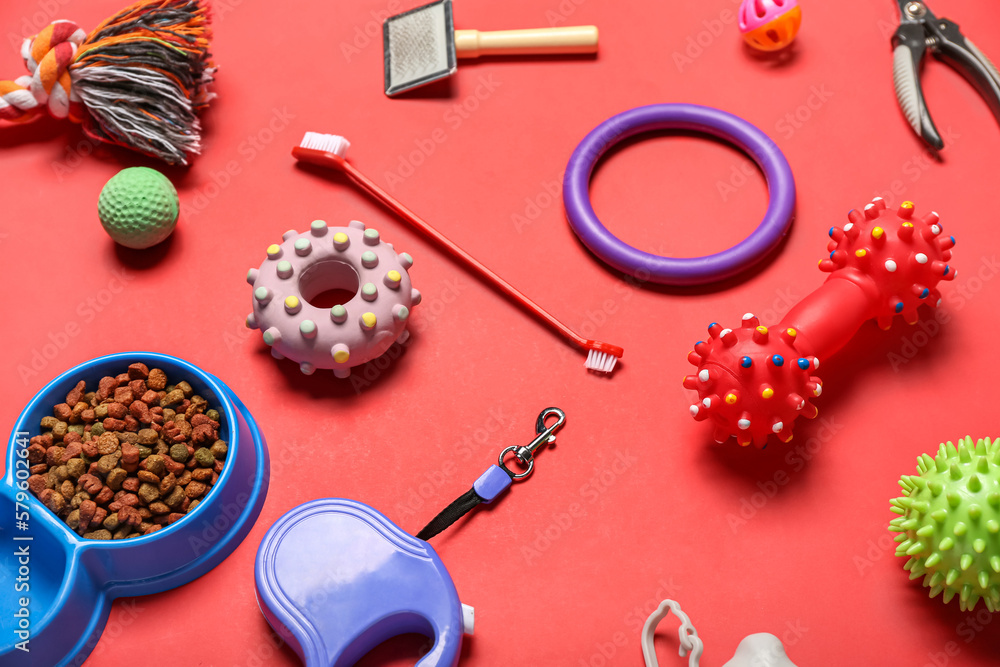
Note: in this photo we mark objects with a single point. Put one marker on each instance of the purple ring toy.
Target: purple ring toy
(672, 270)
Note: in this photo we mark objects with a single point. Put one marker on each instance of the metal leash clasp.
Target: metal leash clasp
(526, 454)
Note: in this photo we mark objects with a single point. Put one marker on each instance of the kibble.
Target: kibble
(36, 483)
(107, 463)
(146, 476)
(104, 496)
(167, 484)
(155, 464)
(88, 508)
(53, 456)
(147, 436)
(127, 459)
(59, 430)
(175, 498)
(76, 467)
(219, 449)
(156, 379)
(204, 457)
(101, 534)
(115, 478)
(140, 412)
(149, 493)
(194, 489)
(72, 450)
(179, 453)
(159, 508)
(111, 521)
(54, 501)
(172, 398)
(90, 483)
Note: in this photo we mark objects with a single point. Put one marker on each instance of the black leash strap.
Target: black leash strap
(450, 514)
(497, 478)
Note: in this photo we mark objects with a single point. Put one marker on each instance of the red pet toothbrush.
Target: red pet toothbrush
(755, 381)
(328, 150)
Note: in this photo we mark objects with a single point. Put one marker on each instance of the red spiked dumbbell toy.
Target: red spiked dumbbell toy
(755, 381)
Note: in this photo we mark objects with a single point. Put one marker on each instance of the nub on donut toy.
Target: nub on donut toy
(755, 381)
(305, 265)
(770, 25)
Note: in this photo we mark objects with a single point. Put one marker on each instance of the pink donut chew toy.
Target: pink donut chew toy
(305, 265)
(755, 381)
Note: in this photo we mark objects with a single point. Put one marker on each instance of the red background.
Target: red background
(812, 563)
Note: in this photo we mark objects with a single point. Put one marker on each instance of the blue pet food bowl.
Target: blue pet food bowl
(56, 587)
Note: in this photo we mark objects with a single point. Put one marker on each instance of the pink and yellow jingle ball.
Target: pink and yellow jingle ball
(770, 25)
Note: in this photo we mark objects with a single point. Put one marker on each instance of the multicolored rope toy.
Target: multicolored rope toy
(137, 81)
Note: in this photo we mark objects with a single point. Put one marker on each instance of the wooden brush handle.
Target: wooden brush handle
(539, 41)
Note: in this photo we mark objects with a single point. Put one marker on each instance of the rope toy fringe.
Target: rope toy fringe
(137, 81)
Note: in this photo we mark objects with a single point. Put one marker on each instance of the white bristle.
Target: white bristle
(331, 143)
(601, 362)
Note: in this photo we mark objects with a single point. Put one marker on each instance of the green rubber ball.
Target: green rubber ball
(949, 522)
(138, 207)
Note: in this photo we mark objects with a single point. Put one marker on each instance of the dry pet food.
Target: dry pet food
(128, 458)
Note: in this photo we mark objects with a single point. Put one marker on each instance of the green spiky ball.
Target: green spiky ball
(138, 207)
(949, 523)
